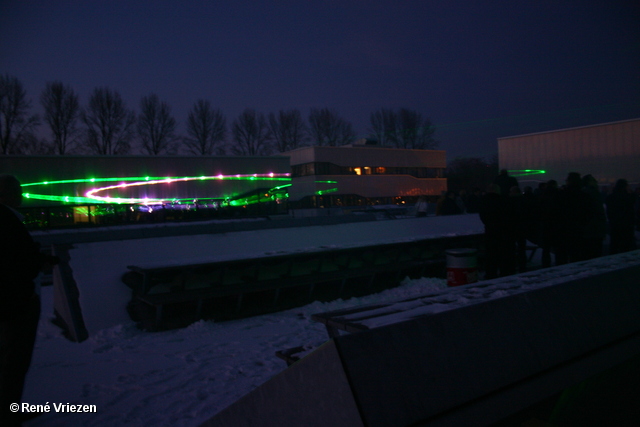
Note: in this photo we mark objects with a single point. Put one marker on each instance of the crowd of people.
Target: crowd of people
(568, 222)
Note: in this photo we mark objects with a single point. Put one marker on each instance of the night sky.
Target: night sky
(479, 69)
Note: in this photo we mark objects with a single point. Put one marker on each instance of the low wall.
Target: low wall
(103, 234)
(476, 364)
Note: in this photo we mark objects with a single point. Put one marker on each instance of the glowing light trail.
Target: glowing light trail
(526, 172)
(92, 195)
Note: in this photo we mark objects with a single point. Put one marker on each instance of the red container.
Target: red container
(462, 266)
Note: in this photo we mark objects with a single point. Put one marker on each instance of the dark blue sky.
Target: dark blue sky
(479, 69)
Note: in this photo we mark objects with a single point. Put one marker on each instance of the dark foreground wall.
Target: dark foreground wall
(474, 365)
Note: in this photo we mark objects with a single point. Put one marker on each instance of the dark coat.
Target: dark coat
(571, 211)
(20, 263)
(496, 213)
(450, 207)
(505, 182)
(621, 215)
(620, 209)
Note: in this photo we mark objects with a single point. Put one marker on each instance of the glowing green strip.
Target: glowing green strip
(92, 180)
(526, 172)
(76, 199)
(66, 199)
(272, 194)
(92, 197)
(146, 180)
(92, 193)
(322, 192)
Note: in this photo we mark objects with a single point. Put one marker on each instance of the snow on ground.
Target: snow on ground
(184, 377)
(180, 377)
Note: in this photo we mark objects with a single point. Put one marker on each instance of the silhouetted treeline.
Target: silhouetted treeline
(105, 125)
(469, 173)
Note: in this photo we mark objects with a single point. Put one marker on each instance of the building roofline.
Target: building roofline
(358, 147)
(568, 129)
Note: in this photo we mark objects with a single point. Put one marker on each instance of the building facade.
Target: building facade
(361, 174)
(607, 151)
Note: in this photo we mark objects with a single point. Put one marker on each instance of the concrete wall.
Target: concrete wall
(470, 366)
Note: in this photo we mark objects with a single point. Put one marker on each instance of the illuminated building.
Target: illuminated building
(115, 189)
(362, 174)
(143, 179)
(607, 151)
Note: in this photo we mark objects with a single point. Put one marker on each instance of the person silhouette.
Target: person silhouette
(20, 263)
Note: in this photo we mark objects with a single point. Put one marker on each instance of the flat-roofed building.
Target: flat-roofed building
(607, 151)
(97, 188)
(361, 174)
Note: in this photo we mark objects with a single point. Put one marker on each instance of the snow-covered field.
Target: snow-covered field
(180, 377)
(183, 377)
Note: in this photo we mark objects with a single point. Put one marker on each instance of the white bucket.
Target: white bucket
(462, 266)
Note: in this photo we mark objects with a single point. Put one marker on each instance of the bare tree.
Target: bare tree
(206, 128)
(328, 128)
(384, 127)
(403, 129)
(414, 131)
(61, 112)
(16, 125)
(156, 126)
(31, 145)
(110, 125)
(250, 134)
(465, 173)
(288, 130)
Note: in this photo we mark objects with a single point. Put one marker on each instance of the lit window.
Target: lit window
(358, 171)
(381, 170)
(367, 170)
